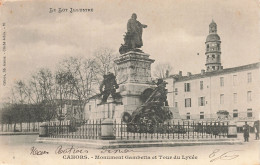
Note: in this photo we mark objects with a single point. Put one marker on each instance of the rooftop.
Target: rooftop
(213, 37)
(179, 78)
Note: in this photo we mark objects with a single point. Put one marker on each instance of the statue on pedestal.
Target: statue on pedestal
(110, 85)
(133, 38)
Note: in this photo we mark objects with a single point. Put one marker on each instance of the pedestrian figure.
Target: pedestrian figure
(256, 128)
(246, 131)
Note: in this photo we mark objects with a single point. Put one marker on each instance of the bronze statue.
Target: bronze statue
(110, 85)
(154, 109)
(159, 94)
(133, 38)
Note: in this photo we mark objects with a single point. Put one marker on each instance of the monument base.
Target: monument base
(134, 77)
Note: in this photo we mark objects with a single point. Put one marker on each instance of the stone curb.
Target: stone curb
(138, 143)
(18, 133)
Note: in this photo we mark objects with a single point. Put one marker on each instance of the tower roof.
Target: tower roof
(213, 37)
(213, 23)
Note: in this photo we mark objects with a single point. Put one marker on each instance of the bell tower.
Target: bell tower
(213, 49)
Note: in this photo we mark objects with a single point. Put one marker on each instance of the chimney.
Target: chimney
(202, 71)
(188, 74)
(180, 73)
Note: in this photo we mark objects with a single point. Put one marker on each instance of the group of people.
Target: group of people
(246, 130)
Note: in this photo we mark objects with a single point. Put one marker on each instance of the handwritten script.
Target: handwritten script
(70, 150)
(35, 151)
(229, 155)
(106, 150)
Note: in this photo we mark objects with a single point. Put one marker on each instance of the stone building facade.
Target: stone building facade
(201, 96)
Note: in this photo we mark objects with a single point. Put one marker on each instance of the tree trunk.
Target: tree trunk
(21, 126)
(14, 126)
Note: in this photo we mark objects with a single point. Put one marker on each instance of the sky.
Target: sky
(176, 32)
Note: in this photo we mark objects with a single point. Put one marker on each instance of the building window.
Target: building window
(113, 110)
(213, 56)
(187, 87)
(201, 101)
(108, 111)
(249, 113)
(176, 91)
(89, 107)
(201, 85)
(234, 80)
(188, 102)
(176, 104)
(188, 115)
(207, 47)
(75, 110)
(249, 77)
(249, 96)
(64, 109)
(235, 113)
(222, 99)
(221, 81)
(201, 115)
(235, 98)
(104, 112)
(213, 67)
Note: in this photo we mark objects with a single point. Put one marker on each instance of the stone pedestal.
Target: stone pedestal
(43, 131)
(232, 130)
(135, 67)
(134, 76)
(107, 131)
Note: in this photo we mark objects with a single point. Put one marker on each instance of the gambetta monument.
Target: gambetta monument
(133, 37)
(137, 98)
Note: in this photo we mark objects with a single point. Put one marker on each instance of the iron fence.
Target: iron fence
(81, 130)
(180, 130)
(171, 130)
(20, 127)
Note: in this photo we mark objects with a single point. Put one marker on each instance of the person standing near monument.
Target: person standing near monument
(135, 30)
(246, 129)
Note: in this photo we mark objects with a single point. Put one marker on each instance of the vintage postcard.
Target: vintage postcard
(129, 82)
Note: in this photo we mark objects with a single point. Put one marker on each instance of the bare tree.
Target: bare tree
(162, 70)
(20, 110)
(104, 63)
(43, 92)
(64, 89)
(82, 72)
